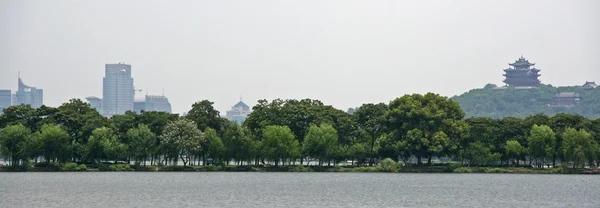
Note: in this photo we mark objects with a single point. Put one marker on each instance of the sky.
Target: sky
(342, 52)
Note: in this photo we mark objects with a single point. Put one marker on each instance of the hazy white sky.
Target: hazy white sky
(344, 53)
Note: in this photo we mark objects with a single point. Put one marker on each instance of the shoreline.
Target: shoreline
(331, 169)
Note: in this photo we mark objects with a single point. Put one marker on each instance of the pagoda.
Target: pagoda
(522, 74)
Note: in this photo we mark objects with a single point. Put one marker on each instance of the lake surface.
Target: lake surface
(189, 189)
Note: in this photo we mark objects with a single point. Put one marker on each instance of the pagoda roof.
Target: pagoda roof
(522, 62)
(590, 84)
(566, 95)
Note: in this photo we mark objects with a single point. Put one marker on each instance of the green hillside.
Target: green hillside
(490, 102)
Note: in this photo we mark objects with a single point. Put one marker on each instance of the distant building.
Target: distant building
(27, 95)
(139, 106)
(239, 112)
(523, 74)
(158, 103)
(5, 99)
(589, 85)
(117, 91)
(95, 103)
(565, 100)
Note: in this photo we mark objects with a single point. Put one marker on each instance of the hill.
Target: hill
(497, 103)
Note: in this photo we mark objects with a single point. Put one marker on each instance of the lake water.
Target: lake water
(190, 189)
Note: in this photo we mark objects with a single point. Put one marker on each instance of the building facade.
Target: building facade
(238, 113)
(522, 74)
(27, 95)
(5, 99)
(117, 91)
(565, 100)
(158, 103)
(95, 103)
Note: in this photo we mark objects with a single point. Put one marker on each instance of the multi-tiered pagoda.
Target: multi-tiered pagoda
(522, 74)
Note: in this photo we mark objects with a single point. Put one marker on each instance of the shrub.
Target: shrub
(463, 170)
(213, 168)
(389, 165)
(81, 167)
(299, 168)
(102, 166)
(70, 166)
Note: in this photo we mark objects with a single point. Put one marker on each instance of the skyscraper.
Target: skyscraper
(5, 99)
(118, 91)
(29, 95)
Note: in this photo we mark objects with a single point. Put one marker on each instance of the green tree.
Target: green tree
(142, 142)
(360, 151)
(205, 115)
(514, 149)
(79, 120)
(278, 144)
(55, 143)
(103, 144)
(320, 142)
(559, 123)
(578, 147)
(213, 146)
(183, 138)
(16, 143)
(541, 143)
(477, 154)
(370, 119)
(417, 121)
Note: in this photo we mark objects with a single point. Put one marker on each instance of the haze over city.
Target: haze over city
(343, 53)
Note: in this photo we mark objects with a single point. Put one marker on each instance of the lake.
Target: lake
(251, 189)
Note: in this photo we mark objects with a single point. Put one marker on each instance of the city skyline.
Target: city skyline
(343, 53)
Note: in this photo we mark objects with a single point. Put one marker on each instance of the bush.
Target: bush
(463, 170)
(388, 165)
(120, 167)
(102, 166)
(213, 168)
(366, 169)
(299, 168)
(70, 166)
(82, 167)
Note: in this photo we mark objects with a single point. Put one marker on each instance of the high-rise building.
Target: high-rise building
(238, 113)
(28, 95)
(95, 103)
(118, 91)
(5, 99)
(158, 103)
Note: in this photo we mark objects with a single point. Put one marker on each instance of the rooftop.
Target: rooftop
(566, 95)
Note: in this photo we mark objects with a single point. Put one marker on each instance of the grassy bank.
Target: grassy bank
(390, 167)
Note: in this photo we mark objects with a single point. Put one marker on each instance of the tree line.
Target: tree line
(414, 129)
(490, 102)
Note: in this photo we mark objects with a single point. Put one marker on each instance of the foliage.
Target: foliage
(541, 143)
(55, 143)
(16, 143)
(279, 145)
(291, 132)
(418, 121)
(389, 165)
(578, 147)
(181, 138)
(489, 102)
(320, 142)
(142, 142)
